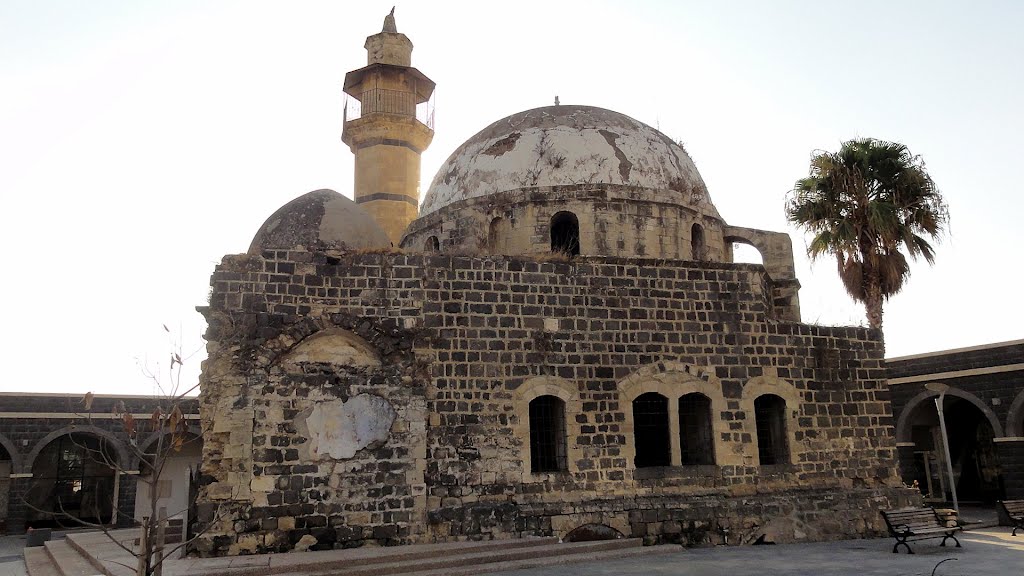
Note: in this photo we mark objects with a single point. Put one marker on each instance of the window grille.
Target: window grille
(650, 430)
(696, 436)
(75, 478)
(770, 415)
(547, 434)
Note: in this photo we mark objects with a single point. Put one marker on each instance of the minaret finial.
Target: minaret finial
(389, 22)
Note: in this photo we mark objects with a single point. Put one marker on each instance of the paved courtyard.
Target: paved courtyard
(986, 551)
(11, 559)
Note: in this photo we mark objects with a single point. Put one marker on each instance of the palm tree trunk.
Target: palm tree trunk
(873, 304)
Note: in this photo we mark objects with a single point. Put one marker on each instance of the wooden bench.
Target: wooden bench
(1015, 512)
(918, 524)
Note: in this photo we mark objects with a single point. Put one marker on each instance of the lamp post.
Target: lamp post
(941, 389)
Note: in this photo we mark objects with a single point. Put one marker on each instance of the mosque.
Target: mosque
(555, 342)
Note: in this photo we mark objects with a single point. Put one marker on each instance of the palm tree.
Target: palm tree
(864, 204)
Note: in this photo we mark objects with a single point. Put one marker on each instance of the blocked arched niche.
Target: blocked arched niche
(592, 532)
(333, 346)
(902, 423)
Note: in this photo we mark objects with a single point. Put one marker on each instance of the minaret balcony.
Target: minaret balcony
(384, 101)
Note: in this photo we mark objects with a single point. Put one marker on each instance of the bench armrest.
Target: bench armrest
(902, 528)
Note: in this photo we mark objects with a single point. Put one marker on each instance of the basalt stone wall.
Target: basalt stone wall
(990, 377)
(29, 422)
(458, 347)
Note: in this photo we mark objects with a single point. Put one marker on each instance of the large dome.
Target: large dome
(567, 145)
(319, 220)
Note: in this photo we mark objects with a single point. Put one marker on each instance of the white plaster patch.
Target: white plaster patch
(337, 429)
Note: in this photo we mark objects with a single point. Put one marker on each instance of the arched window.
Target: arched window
(565, 233)
(650, 430)
(497, 234)
(547, 434)
(73, 479)
(696, 436)
(432, 244)
(698, 250)
(770, 417)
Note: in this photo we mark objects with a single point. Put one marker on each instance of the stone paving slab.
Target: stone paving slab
(985, 552)
(114, 558)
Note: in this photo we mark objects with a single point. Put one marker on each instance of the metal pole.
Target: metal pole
(945, 448)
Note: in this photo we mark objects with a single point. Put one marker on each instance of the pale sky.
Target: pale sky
(142, 141)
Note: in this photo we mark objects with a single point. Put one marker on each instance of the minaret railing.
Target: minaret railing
(390, 102)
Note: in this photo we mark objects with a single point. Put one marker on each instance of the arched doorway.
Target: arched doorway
(171, 489)
(976, 469)
(73, 479)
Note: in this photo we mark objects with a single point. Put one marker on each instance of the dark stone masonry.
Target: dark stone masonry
(30, 424)
(984, 410)
(459, 347)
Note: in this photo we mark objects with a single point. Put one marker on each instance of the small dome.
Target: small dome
(567, 145)
(320, 220)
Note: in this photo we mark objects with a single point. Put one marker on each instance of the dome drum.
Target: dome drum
(611, 220)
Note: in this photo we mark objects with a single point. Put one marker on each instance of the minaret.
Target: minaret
(386, 138)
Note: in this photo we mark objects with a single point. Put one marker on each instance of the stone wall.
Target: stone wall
(29, 422)
(614, 220)
(458, 346)
(989, 377)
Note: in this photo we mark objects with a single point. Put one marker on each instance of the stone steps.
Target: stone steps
(68, 561)
(475, 561)
(557, 560)
(39, 563)
(447, 559)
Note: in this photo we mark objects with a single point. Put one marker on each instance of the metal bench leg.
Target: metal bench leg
(1015, 529)
(896, 548)
(948, 536)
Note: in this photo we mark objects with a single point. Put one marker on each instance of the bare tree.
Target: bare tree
(153, 440)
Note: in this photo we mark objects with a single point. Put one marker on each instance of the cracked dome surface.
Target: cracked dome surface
(567, 145)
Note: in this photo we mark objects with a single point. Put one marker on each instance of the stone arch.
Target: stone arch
(136, 457)
(432, 244)
(333, 346)
(674, 380)
(498, 231)
(698, 244)
(760, 386)
(1015, 417)
(123, 455)
(591, 532)
(535, 388)
(564, 230)
(339, 326)
(903, 432)
(776, 249)
(12, 451)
